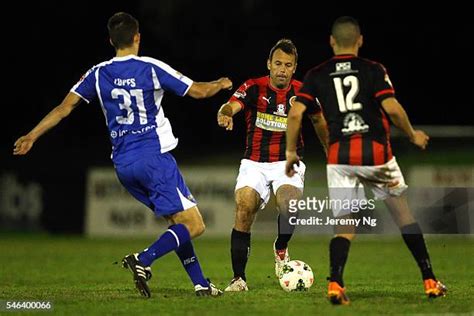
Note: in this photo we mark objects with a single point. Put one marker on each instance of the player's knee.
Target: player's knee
(286, 197)
(196, 230)
(196, 227)
(247, 201)
(247, 198)
(199, 229)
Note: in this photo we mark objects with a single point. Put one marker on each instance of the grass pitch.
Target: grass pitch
(78, 276)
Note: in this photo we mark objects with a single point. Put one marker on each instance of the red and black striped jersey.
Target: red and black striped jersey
(266, 109)
(350, 90)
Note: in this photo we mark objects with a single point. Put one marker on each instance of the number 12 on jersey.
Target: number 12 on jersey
(346, 103)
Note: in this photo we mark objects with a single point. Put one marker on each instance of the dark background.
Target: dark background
(47, 46)
(50, 45)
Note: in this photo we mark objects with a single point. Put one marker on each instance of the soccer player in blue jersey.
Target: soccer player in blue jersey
(130, 89)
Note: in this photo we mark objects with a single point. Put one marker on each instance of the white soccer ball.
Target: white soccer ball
(296, 276)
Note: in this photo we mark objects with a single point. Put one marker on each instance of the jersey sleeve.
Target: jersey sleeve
(307, 94)
(245, 94)
(85, 87)
(383, 87)
(168, 79)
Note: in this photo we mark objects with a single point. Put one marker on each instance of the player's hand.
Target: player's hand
(225, 83)
(292, 159)
(225, 121)
(23, 145)
(420, 139)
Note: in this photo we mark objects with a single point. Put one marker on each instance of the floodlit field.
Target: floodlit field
(77, 276)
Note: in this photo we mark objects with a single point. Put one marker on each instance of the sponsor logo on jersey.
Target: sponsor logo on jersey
(343, 66)
(353, 124)
(271, 122)
(123, 132)
(281, 110)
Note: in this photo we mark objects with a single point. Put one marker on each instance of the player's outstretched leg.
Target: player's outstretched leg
(138, 264)
(413, 238)
(415, 242)
(202, 286)
(192, 219)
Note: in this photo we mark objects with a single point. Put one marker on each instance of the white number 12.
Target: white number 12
(347, 103)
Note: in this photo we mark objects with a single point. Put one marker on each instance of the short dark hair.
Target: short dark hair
(346, 31)
(122, 28)
(285, 45)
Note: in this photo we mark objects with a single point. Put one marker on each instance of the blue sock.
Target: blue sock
(172, 239)
(191, 264)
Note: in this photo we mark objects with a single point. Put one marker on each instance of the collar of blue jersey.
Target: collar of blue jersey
(124, 57)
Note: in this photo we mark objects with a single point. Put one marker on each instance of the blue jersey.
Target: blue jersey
(130, 90)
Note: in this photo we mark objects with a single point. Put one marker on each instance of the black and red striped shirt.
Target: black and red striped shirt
(266, 109)
(350, 90)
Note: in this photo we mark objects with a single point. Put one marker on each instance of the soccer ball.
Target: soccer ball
(296, 276)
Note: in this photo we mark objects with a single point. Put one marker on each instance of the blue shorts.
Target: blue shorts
(156, 181)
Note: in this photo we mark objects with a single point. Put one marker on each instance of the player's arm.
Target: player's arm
(24, 143)
(321, 129)
(400, 119)
(295, 116)
(225, 114)
(202, 90)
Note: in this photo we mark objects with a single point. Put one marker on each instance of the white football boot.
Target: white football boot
(237, 285)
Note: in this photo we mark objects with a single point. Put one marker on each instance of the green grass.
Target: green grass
(78, 276)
